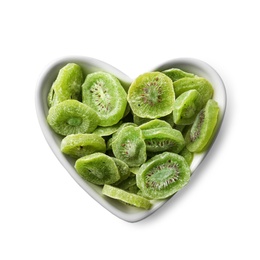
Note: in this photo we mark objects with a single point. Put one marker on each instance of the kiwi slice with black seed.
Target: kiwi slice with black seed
(201, 132)
(202, 85)
(97, 168)
(67, 84)
(126, 197)
(128, 145)
(151, 95)
(104, 93)
(79, 145)
(163, 175)
(72, 117)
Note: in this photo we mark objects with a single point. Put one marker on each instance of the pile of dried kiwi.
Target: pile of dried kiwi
(136, 143)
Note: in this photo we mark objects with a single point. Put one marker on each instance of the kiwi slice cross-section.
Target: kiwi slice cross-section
(79, 145)
(151, 95)
(67, 84)
(163, 175)
(186, 107)
(126, 197)
(72, 117)
(175, 74)
(104, 93)
(202, 85)
(97, 168)
(128, 145)
(201, 132)
(163, 139)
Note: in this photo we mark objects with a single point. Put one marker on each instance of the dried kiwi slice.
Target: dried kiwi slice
(103, 92)
(163, 139)
(151, 95)
(126, 197)
(155, 123)
(202, 85)
(67, 84)
(97, 168)
(107, 130)
(186, 107)
(129, 146)
(176, 74)
(72, 117)
(163, 175)
(123, 170)
(79, 145)
(203, 127)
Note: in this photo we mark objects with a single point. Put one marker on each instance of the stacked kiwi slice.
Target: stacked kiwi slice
(136, 143)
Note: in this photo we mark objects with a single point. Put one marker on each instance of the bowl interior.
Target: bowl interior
(89, 65)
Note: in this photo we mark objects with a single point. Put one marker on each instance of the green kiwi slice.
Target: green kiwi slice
(104, 93)
(155, 123)
(123, 170)
(175, 74)
(126, 197)
(72, 117)
(107, 130)
(186, 107)
(97, 168)
(187, 155)
(151, 95)
(163, 139)
(163, 175)
(201, 132)
(67, 84)
(128, 145)
(200, 84)
(79, 145)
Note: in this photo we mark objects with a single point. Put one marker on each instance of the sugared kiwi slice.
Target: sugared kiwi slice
(97, 168)
(129, 146)
(155, 123)
(123, 170)
(72, 117)
(151, 95)
(200, 84)
(79, 145)
(126, 197)
(176, 74)
(200, 133)
(163, 175)
(163, 139)
(186, 107)
(67, 84)
(104, 93)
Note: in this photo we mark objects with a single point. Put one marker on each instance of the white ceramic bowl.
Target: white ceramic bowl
(127, 213)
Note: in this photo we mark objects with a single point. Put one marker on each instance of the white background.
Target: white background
(45, 214)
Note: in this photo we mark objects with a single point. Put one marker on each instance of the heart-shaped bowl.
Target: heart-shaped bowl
(125, 212)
